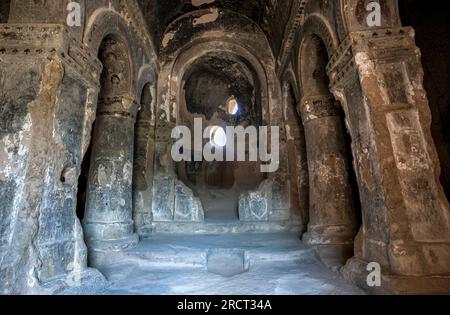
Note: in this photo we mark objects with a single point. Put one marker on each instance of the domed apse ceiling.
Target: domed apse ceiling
(213, 80)
(271, 15)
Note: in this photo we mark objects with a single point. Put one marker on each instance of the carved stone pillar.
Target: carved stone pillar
(48, 88)
(143, 175)
(108, 222)
(377, 75)
(163, 204)
(332, 224)
(172, 201)
(297, 160)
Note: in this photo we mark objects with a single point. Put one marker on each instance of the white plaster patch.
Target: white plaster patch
(328, 172)
(167, 38)
(14, 148)
(207, 18)
(197, 3)
(365, 65)
(174, 110)
(407, 141)
(128, 172)
(411, 87)
(289, 133)
(104, 178)
(153, 106)
(166, 105)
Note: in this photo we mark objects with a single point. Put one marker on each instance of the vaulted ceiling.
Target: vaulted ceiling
(271, 15)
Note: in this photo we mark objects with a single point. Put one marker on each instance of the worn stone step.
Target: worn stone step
(226, 227)
(194, 250)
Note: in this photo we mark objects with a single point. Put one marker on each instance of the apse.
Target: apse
(223, 90)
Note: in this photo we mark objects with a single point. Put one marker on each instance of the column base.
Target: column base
(113, 245)
(98, 249)
(355, 271)
(333, 250)
(106, 236)
(144, 231)
(86, 282)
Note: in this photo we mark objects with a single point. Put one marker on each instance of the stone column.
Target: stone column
(280, 203)
(172, 200)
(143, 175)
(378, 77)
(297, 160)
(108, 222)
(332, 224)
(48, 87)
(163, 203)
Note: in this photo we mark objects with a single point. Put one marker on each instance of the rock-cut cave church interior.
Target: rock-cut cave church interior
(109, 110)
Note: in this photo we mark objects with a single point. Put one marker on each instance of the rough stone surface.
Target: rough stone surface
(86, 121)
(187, 207)
(226, 262)
(275, 263)
(256, 205)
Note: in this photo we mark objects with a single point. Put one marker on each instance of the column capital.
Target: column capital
(39, 43)
(120, 105)
(369, 46)
(318, 106)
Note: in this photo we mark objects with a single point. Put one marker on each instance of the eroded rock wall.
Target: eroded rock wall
(49, 82)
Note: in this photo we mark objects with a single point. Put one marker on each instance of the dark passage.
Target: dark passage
(431, 22)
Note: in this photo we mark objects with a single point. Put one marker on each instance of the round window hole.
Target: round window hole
(218, 136)
(232, 106)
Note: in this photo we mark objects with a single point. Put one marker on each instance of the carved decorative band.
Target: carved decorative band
(115, 113)
(316, 107)
(381, 45)
(118, 105)
(295, 22)
(342, 63)
(46, 40)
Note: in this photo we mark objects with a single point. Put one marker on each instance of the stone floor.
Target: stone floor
(248, 264)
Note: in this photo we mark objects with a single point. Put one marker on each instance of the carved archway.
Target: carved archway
(296, 148)
(108, 221)
(333, 224)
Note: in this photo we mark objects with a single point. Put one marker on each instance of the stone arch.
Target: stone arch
(316, 26)
(106, 22)
(144, 138)
(333, 224)
(145, 76)
(184, 61)
(117, 75)
(143, 161)
(108, 220)
(223, 31)
(231, 34)
(290, 77)
(182, 69)
(296, 148)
